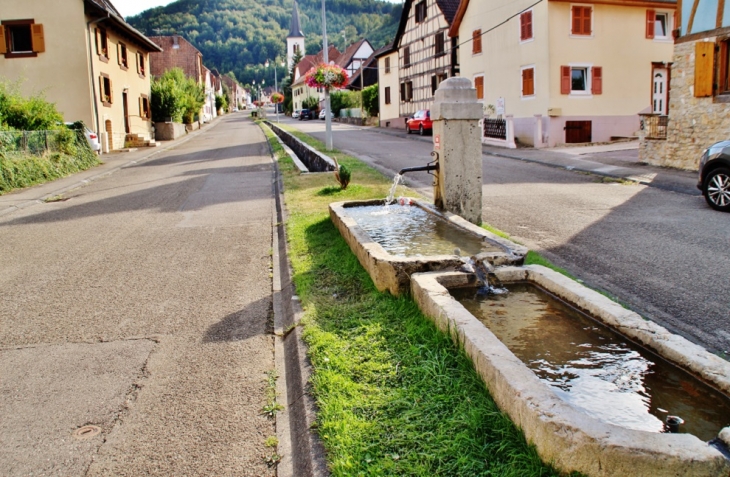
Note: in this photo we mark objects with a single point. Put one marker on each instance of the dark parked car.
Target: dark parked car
(714, 179)
(306, 114)
(421, 122)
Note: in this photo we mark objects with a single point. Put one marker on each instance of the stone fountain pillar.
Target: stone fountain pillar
(458, 141)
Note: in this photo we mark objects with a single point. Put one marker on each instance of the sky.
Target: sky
(133, 7)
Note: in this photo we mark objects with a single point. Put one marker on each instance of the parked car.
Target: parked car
(421, 122)
(306, 114)
(295, 114)
(714, 176)
(91, 137)
(321, 115)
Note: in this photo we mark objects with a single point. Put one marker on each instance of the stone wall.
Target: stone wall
(313, 159)
(694, 123)
(169, 131)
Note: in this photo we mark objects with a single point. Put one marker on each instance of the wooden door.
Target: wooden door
(578, 131)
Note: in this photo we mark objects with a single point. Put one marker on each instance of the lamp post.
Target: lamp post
(276, 85)
(325, 53)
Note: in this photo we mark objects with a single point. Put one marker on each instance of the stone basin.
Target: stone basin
(392, 272)
(564, 436)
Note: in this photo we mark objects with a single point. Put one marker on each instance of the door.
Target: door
(659, 91)
(578, 131)
(126, 113)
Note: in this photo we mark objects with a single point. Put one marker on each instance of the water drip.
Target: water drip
(489, 283)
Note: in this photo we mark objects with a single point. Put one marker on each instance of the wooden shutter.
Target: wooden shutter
(101, 89)
(581, 24)
(141, 107)
(479, 86)
(528, 82)
(565, 80)
(97, 36)
(597, 80)
(650, 21)
(3, 44)
(403, 92)
(433, 84)
(119, 53)
(704, 68)
(476, 38)
(526, 25)
(37, 39)
(111, 92)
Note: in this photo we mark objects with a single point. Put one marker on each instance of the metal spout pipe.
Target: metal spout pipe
(426, 168)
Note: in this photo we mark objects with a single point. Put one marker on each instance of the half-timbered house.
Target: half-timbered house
(426, 54)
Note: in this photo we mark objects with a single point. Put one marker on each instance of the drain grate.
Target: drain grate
(86, 432)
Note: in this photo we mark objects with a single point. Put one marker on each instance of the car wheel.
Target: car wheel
(717, 189)
(408, 128)
(421, 132)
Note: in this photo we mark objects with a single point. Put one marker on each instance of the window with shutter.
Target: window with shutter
(387, 66)
(102, 45)
(105, 90)
(479, 86)
(704, 68)
(140, 64)
(387, 95)
(21, 39)
(581, 22)
(122, 56)
(476, 40)
(597, 80)
(434, 84)
(526, 26)
(403, 92)
(724, 68)
(407, 56)
(528, 81)
(439, 44)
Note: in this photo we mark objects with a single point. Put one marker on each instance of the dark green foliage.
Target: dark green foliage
(221, 102)
(175, 97)
(343, 100)
(26, 114)
(311, 103)
(370, 101)
(240, 35)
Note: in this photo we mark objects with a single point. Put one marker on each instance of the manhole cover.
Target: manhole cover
(86, 432)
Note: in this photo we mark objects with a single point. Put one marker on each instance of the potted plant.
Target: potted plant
(326, 76)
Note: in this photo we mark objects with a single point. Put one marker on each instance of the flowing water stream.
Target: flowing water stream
(595, 369)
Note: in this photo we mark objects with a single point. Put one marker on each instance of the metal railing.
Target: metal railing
(654, 126)
(495, 128)
(36, 143)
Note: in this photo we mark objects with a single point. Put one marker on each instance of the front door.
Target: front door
(659, 92)
(578, 131)
(126, 112)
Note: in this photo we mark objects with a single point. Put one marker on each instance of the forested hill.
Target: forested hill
(240, 35)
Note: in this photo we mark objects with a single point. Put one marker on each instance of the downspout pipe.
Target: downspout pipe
(91, 69)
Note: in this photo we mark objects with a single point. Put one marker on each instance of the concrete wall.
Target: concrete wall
(694, 123)
(313, 159)
(169, 131)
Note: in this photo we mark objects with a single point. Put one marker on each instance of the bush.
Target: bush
(311, 103)
(176, 97)
(370, 100)
(26, 114)
(344, 100)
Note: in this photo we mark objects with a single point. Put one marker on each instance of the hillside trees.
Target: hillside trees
(240, 35)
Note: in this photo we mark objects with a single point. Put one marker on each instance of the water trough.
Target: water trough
(563, 434)
(392, 271)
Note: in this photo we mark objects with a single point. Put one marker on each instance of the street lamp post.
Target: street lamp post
(327, 118)
(276, 86)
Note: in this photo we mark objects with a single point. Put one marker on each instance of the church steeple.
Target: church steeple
(295, 39)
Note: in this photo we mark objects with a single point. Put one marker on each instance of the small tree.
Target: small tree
(311, 103)
(221, 102)
(370, 100)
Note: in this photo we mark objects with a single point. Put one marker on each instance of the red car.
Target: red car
(421, 122)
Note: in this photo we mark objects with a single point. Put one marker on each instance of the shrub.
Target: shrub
(26, 114)
(370, 100)
(176, 97)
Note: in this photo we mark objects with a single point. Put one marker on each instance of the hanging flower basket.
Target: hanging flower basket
(326, 76)
(277, 98)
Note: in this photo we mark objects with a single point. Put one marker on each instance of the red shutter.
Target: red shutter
(479, 86)
(3, 44)
(576, 23)
(597, 80)
(650, 19)
(581, 20)
(526, 25)
(587, 12)
(528, 82)
(565, 80)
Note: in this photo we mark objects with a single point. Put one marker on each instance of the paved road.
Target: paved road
(659, 249)
(141, 304)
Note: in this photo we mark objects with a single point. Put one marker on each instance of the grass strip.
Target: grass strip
(18, 171)
(395, 395)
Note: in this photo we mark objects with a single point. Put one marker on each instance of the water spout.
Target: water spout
(673, 423)
(426, 168)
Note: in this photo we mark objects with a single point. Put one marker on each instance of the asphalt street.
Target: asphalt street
(658, 248)
(136, 314)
